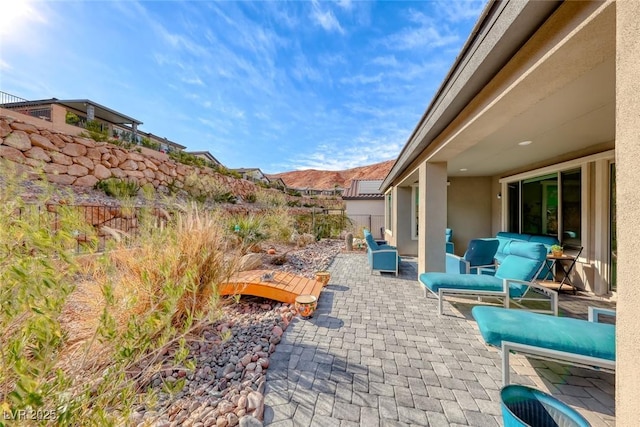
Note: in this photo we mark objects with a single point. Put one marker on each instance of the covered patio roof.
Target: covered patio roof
(529, 72)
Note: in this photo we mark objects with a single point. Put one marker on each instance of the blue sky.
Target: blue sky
(276, 85)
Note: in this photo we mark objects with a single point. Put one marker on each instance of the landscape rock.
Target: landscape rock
(250, 262)
(19, 140)
(74, 150)
(12, 154)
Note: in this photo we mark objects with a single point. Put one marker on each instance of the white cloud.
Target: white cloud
(325, 18)
(460, 10)
(427, 34)
(302, 71)
(193, 81)
(361, 79)
(385, 61)
(345, 4)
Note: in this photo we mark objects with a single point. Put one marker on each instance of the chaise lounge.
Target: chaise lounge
(574, 341)
(512, 280)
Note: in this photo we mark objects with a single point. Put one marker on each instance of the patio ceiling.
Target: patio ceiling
(557, 91)
(564, 102)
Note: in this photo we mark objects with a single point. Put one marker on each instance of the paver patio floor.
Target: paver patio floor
(376, 353)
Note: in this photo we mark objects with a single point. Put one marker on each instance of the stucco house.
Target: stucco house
(252, 174)
(72, 115)
(206, 155)
(535, 130)
(364, 205)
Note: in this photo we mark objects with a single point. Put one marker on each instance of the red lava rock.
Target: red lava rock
(277, 331)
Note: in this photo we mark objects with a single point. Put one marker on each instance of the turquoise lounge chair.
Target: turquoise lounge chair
(512, 280)
(574, 341)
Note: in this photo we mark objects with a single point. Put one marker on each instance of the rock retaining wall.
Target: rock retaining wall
(82, 162)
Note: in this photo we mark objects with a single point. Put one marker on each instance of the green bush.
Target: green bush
(118, 188)
(96, 131)
(250, 198)
(146, 142)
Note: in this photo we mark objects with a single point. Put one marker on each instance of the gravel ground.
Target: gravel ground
(231, 356)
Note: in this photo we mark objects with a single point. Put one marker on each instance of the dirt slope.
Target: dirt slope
(327, 180)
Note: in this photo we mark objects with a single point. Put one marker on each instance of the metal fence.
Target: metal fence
(21, 105)
(375, 223)
(106, 223)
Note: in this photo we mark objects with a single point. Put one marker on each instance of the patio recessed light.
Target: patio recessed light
(523, 143)
(463, 170)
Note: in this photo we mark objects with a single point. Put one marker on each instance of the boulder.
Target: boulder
(23, 127)
(37, 153)
(74, 150)
(86, 181)
(250, 262)
(63, 179)
(5, 129)
(42, 142)
(19, 140)
(101, 172)
(12, 154)
(77, 170)
(61, 159)
(129, 165)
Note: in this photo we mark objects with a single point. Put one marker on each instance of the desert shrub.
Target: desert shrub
(204, 187)
(249, 229)
(321, 225)
(250, 198)
(187, 158)
(37, 268)
(270, 198)
(280, 224)
(119, 188)
(84, 339)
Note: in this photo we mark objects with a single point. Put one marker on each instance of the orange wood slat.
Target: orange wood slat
(284, 288)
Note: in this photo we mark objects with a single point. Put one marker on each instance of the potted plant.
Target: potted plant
(556, 250)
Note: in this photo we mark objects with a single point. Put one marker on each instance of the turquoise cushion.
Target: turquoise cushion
(540, 330)
(370, 242)
(547, 241)
(476, 282)
(513, 236)
(523, 261)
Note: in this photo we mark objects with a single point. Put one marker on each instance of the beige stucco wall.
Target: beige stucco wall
(469, 207)
(365, 207)
(57, 123)
(628, 218)
(406, 245)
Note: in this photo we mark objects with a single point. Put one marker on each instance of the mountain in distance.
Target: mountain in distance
(327, 180)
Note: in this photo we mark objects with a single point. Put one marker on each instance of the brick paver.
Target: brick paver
(376, 353)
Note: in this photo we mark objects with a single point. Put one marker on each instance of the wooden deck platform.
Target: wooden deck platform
(284, 287)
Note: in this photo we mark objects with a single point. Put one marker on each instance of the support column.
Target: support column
(432, 216)
(600, 241)
(628, 211)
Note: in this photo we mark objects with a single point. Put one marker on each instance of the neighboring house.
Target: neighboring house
(252, 174)
(75, 112)
(206, 156)
(68, 114)
(535, 129)
(365, 205)
(166, 145)
(277, 183)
